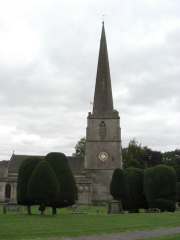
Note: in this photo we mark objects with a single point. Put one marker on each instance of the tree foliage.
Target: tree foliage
(117, 185)
(178, 192)
(24, 173)
(151, 158)
(160, 187)
(133, 155)
(68, 191)
(140, 157)
(172, 159)
(135, 198)
(80, 148)
(43, 186)
(127, 186)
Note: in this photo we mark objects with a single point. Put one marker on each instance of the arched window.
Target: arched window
(8, 192)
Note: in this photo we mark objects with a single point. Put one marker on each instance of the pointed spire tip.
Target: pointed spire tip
(103, 101)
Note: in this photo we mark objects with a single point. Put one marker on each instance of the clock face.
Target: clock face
(103, 156)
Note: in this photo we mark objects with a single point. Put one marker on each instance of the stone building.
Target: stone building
(103, 145)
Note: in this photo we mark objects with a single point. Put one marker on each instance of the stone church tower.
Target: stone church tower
(103, 135)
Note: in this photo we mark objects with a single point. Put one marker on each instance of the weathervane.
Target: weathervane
(103, 18)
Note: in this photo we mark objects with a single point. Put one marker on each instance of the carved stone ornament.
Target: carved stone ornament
(103, 156)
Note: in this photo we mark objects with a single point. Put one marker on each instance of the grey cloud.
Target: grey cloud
(44, 102)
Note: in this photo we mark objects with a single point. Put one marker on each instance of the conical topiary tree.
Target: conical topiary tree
(43, 185)
(160, 187)
(25, 170)
(117, 185)
(68, 191)
(127, 186)
(135, 197)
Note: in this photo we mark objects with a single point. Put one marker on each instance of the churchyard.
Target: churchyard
(135, 190)
(104, 190)
(82, 222)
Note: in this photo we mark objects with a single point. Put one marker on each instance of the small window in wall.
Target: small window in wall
(8, 192)
(102, 130)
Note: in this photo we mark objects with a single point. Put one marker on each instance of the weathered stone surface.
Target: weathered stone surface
(103, 134)
(103, 101)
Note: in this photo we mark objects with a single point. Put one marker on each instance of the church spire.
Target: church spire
(103, 101)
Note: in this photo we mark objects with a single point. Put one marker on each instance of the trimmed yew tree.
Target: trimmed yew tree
(127, 186)
(117, 185)
(67, 195)
(24, 173)
(160, 187)
(43, 186)
(135, 197)
(178, 192)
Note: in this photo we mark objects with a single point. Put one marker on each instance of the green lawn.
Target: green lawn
(18, 226)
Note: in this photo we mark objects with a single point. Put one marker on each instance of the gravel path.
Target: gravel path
(137, 235)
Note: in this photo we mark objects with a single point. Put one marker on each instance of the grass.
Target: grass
(18, 226)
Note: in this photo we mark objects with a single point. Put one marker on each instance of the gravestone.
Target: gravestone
(11, 207)
(115, 207)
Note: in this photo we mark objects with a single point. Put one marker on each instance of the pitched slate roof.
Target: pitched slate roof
(3, 169)
(76, 164)
(4, 163)
(16, 161)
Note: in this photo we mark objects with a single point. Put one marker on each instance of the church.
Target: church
(103, 151)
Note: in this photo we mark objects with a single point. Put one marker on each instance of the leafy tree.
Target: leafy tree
(117, 185)
(133, 155)
(24, 173)
(68, 191)
(80, 148)
(140, 157)
(173, 159)
(135, 198)
(160, 187)
(151, 158)
(43, 186)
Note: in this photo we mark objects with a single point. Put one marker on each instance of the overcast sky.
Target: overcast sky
(48, 60)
